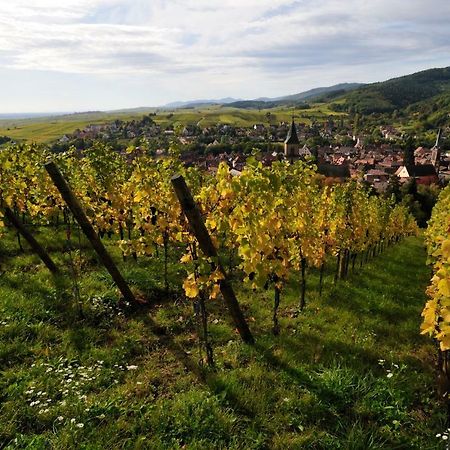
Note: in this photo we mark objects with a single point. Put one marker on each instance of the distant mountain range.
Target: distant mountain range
(312, 93)
(266, 101)
(415, 91)
(196, 103)
(385, 96)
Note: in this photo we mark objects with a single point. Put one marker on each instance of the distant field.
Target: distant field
(48, 129)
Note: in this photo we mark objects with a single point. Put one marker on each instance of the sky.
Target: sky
(79, 55)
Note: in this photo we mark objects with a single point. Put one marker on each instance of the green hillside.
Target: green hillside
(351, 372)
(398, 93)
(382, 97)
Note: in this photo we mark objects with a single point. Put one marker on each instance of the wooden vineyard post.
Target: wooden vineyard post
(37, 248)
(88, 230)
(199, 230)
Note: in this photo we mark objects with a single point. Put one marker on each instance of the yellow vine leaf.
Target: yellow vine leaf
(190, 288)
(444, 287)
(186, 258)
(444, 341)
(446, 249)
(214, 291)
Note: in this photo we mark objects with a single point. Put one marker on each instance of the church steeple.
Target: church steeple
(292, 144)
(438, 138)
(408, 152)
(436, 152)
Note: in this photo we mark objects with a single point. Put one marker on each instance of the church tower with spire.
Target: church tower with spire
(291, 144)
(436, 152)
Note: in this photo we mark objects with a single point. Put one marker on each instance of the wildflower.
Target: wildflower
(390, 375)
(72, 420)
(132, 367)
(60, 418)
(444, 437)
(80, 425)
(101, 416)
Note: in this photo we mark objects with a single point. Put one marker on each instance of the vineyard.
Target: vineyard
(193, 262)
(276, 219)
(436, 314)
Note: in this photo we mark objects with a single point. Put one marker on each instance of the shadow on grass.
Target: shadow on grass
(299, 350)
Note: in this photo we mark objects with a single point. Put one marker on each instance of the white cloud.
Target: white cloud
(100, 36)
(242, 47)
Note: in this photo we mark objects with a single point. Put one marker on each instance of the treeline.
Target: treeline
(4, 139)
(397, 93)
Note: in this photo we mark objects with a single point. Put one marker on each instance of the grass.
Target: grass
(49, 129)
(324, 383)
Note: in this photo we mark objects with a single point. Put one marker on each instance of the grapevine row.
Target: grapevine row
(276, 221)
(436, 314)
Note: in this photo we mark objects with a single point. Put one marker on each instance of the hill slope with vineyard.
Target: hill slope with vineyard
(351, 371)
(324, 284)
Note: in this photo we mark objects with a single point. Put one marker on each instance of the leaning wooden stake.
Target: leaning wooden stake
(199, 230)
(31, 240)
(88, 230)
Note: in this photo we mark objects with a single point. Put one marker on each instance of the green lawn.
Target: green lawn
(113, 379)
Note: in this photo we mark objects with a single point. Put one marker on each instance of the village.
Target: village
(334, 148)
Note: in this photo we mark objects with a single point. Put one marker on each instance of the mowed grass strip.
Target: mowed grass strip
(350, 372)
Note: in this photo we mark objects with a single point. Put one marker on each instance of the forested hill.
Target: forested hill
(399, 93)
(382, 97)
(302, 97)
